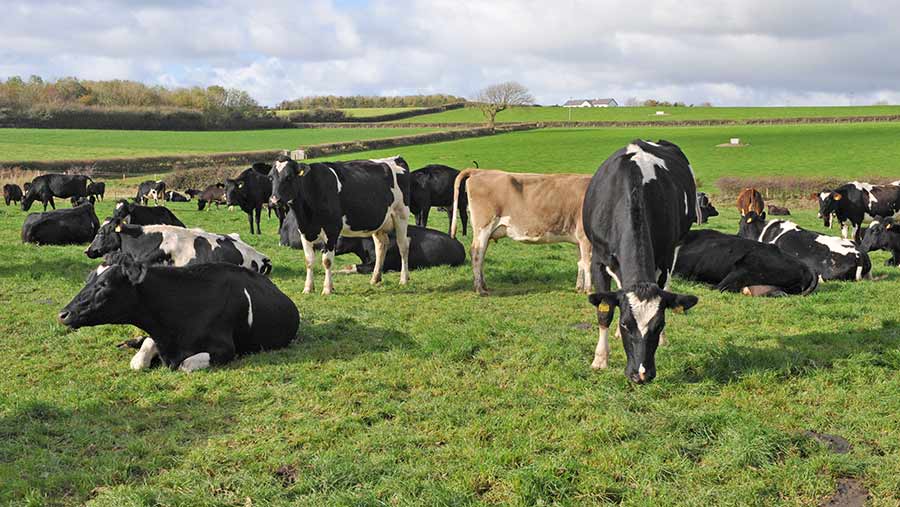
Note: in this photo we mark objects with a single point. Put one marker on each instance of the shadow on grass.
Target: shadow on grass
(65, 268)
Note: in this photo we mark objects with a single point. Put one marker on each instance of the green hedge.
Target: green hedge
(73, 117)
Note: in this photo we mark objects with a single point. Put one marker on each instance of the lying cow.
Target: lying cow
(852, 201)
(705, 208)
(531, 208)
(97, 190)
(830, 257)
(883, 234)
(44, 188)
(147, 190)
(135, 214)
(209, 195)
(174, 196)
(431, 186)
(778, 210)
(734, 264)
(12, 193)
(749, 199)
(188, 331)
(250, 191)
(175, 246)
(61, 227)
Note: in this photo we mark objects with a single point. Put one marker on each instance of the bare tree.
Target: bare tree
(498, 97)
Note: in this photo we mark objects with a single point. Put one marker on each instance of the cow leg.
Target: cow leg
(380, 238)
(328, 263)
(258, 217)
(844, 229)
(583, 281)
(479, 249)
(401, 234)
(196, 362)
(663, 282)
(422, 217)
(145, 355)
(601, 352)
(309, 252)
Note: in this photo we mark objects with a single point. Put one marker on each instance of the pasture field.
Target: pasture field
(63, 144)
(556, 113)
(431, 395)
(357, 112)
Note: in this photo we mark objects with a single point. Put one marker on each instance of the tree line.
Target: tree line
(340, 102)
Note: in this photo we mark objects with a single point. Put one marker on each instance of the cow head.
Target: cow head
(31, 195)
(705, 208)
(123, 208)
(108, 296)
(752, 225)
(234, 192)
(829, 202)
(642, 318)
(882, 234)
(285, 177)
(108, 238)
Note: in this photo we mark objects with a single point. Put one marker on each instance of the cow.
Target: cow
(150, 189)
(134, 214)
(778, 210)
(883, 233)
(360, 198)
(852, 201)
(637, 210)
(187, 330)
(12, 193)
(193, 192)
(830, 257)
(250, 191)
(749, 199)
(61, 227)
(735, 264)
(530, 208)
(78, 201)
(209, 195)
(705, 208)
(174, 196)
(97, 190)
(175, 246)
(45, 187)
(431, 186)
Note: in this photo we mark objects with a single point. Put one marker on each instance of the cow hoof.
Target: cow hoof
(307, 290)
(375, 281)
(327, 292)
(483, 292)
(599, 364)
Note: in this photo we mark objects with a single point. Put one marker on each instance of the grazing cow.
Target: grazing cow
(358, 198)
(174, 196)
(830, 257)
(61, 227)
(12, 193)
(637, 211)
(427, 248)
(431, 186)
(149, 189)
(209, 195)
(883, 234)
(778, 210)
(850, 202)
(531, 208)
(97, 189)
(44, 188)
(734, 264)
(175, 246)
(134, 214)
(705, 208)
(188, 330)
(750, 200)
(250, 191)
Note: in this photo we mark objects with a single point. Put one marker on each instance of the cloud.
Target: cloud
(731, 52)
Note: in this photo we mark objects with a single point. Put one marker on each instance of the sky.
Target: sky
(727, 52)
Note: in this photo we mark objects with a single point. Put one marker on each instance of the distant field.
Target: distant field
(524, 114)
(358, 112)
(52, 144)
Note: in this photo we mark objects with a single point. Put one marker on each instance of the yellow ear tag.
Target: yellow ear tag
(749, 220)
(118, 228)
(302, 171)
(888, 226)
(603, 307)
(678, 309)
(838, 197)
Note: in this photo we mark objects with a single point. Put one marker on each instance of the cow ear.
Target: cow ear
(606, 303)
(679, 303)
(135, 272)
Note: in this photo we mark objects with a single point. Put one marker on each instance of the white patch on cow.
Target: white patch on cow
(823, 195)
(178, 244)
(234, 236)
(338, 180)
(145, 355)
(249, 309)
(651, 143)
(279, 166)
(119, 205)
(874, 222)
(837, 245)
(785, 227)
(686, 212)
(614, 277)
(196, 362)
(641, 369)
(643, 311)
(647, 162)
(101, 268)
(105, 222)
(844, 231)
(391, 162)
(859, 273)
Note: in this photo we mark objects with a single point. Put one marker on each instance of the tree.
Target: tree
(498, 97)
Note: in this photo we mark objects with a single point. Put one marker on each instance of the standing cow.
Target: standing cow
(637, 210)
(432, 186)
(356, 198)
(97, 190)
(12, 193)
(883, 234)
(44, 188)
(147, 190)
(852, 201)
(750, 200)
(209, 195)
(250, 190)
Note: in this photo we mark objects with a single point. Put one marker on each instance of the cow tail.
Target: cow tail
(812, 285)
(460, 178)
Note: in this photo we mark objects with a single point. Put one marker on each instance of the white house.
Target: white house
(591, 103)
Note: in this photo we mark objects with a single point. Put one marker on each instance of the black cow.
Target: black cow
(735, 264)
(61, 227)
(883, 234)
(175, 246)
(830, 257)
(209, 195)
(134, 214)
(44, 188)
(432, 186)
(636, 211)
(147, 190)
(353, 199)
(97, 189)
(850, 202)
(193, 192)
(12, 193)
(250, 191)
(188, 331)
(174, 196)
(705, 208)
(78, 201)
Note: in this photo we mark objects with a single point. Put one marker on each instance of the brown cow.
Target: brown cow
(778, 210)
(531, 208)
(750, 200)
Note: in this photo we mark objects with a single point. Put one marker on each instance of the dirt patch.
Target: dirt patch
(287, 474)
(583, 326)
(836, 443)
(850, 493)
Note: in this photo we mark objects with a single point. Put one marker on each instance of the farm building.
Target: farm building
(591, 103)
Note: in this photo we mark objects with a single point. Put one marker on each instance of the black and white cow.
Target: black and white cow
(12, 193)
(61, 227)
(44, 188)
(432, 186)
(174, 196)
(830, 257)
(883, 234)
(736, 264)
(213, 194)
(188, 331)
(135, 214)
(359, 198)
(638, 207)
(97, 190)
(705, 208)
(250, 191)
(852, 201)
(147, 190)
(175, 246)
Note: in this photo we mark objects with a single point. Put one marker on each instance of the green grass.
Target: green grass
(357, 112)
(54, 144)
(553, 113)
(430, 395)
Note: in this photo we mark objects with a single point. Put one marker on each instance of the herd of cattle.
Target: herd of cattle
(631, 221)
